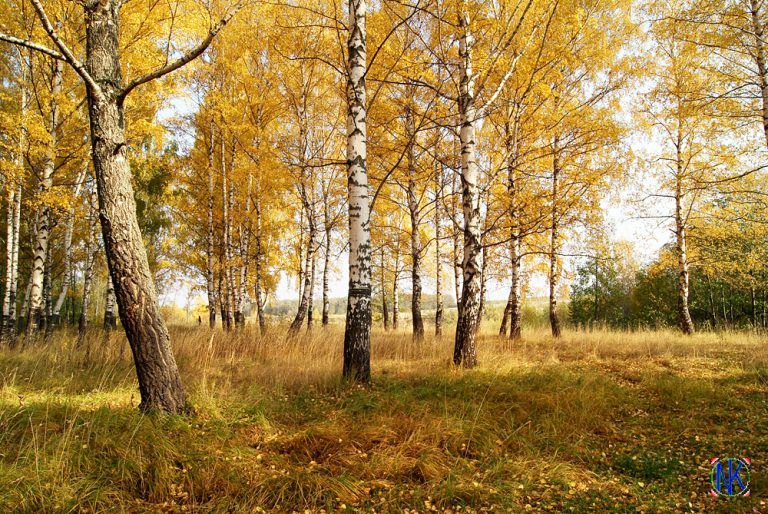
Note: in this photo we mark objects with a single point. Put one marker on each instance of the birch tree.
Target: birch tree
(158, 376)
(357, 334)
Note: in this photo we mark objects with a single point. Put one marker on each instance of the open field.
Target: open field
(595, 422)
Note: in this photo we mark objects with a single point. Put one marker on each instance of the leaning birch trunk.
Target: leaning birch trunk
(465, 347)
(357, 334)
(209, 271)
(158, 376)
(306, 289)
(42, 228)
(413, 209)
(156, 370)
(684, 316)
(90, 258)
(69, 271)
(554, 245)
(110, 307)
(762, 67)
(505, 317)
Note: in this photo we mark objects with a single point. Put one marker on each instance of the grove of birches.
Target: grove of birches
(443, 146)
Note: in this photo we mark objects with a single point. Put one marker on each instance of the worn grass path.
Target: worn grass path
(596, 422)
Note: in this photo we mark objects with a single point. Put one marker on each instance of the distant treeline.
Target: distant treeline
(603, 295)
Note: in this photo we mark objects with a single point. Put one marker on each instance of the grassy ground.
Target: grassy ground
(595, 422)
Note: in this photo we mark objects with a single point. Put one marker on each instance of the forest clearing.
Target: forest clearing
(593, 422)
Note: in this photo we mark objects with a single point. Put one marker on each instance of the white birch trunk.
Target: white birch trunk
(90, 257)
(439, 309)
(69, 270)
(327, 259)
(110, 307)
(684, 316)
(42, 229)
(465, 348)
(259, 279)
(13, 223)
(210, 241)
(357, 337)
(413, 209)
(554, 244)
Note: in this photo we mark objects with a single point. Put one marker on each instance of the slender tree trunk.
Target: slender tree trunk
(712, 308)
(25, 305)
(413, 209)
(43, 226)
(554, 244)
(300, 280)
(310, 305)
(258, 264)
(232, 289)
(483, 289)
(505, 317)
(439, 308)
(210, 280)
(357, 334)
(68, 268)
(514, 306)
(158, 376)
(8, 328)
(396, 299)
(306, 289)
(110, 307)
(90, 258)
(226, 299)
(515, 293)
(327, 259)
(46, 324)
(762, 68)
(457, 260)
(245, 251)
(465, 348)
(684, 316)
(384, 306)
(13, 226)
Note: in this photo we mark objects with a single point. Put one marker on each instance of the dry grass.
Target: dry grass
(599, 421)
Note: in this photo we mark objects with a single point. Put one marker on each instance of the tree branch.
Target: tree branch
(33, 46)
(189, 56)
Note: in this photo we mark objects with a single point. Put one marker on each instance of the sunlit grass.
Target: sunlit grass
(599, 421)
